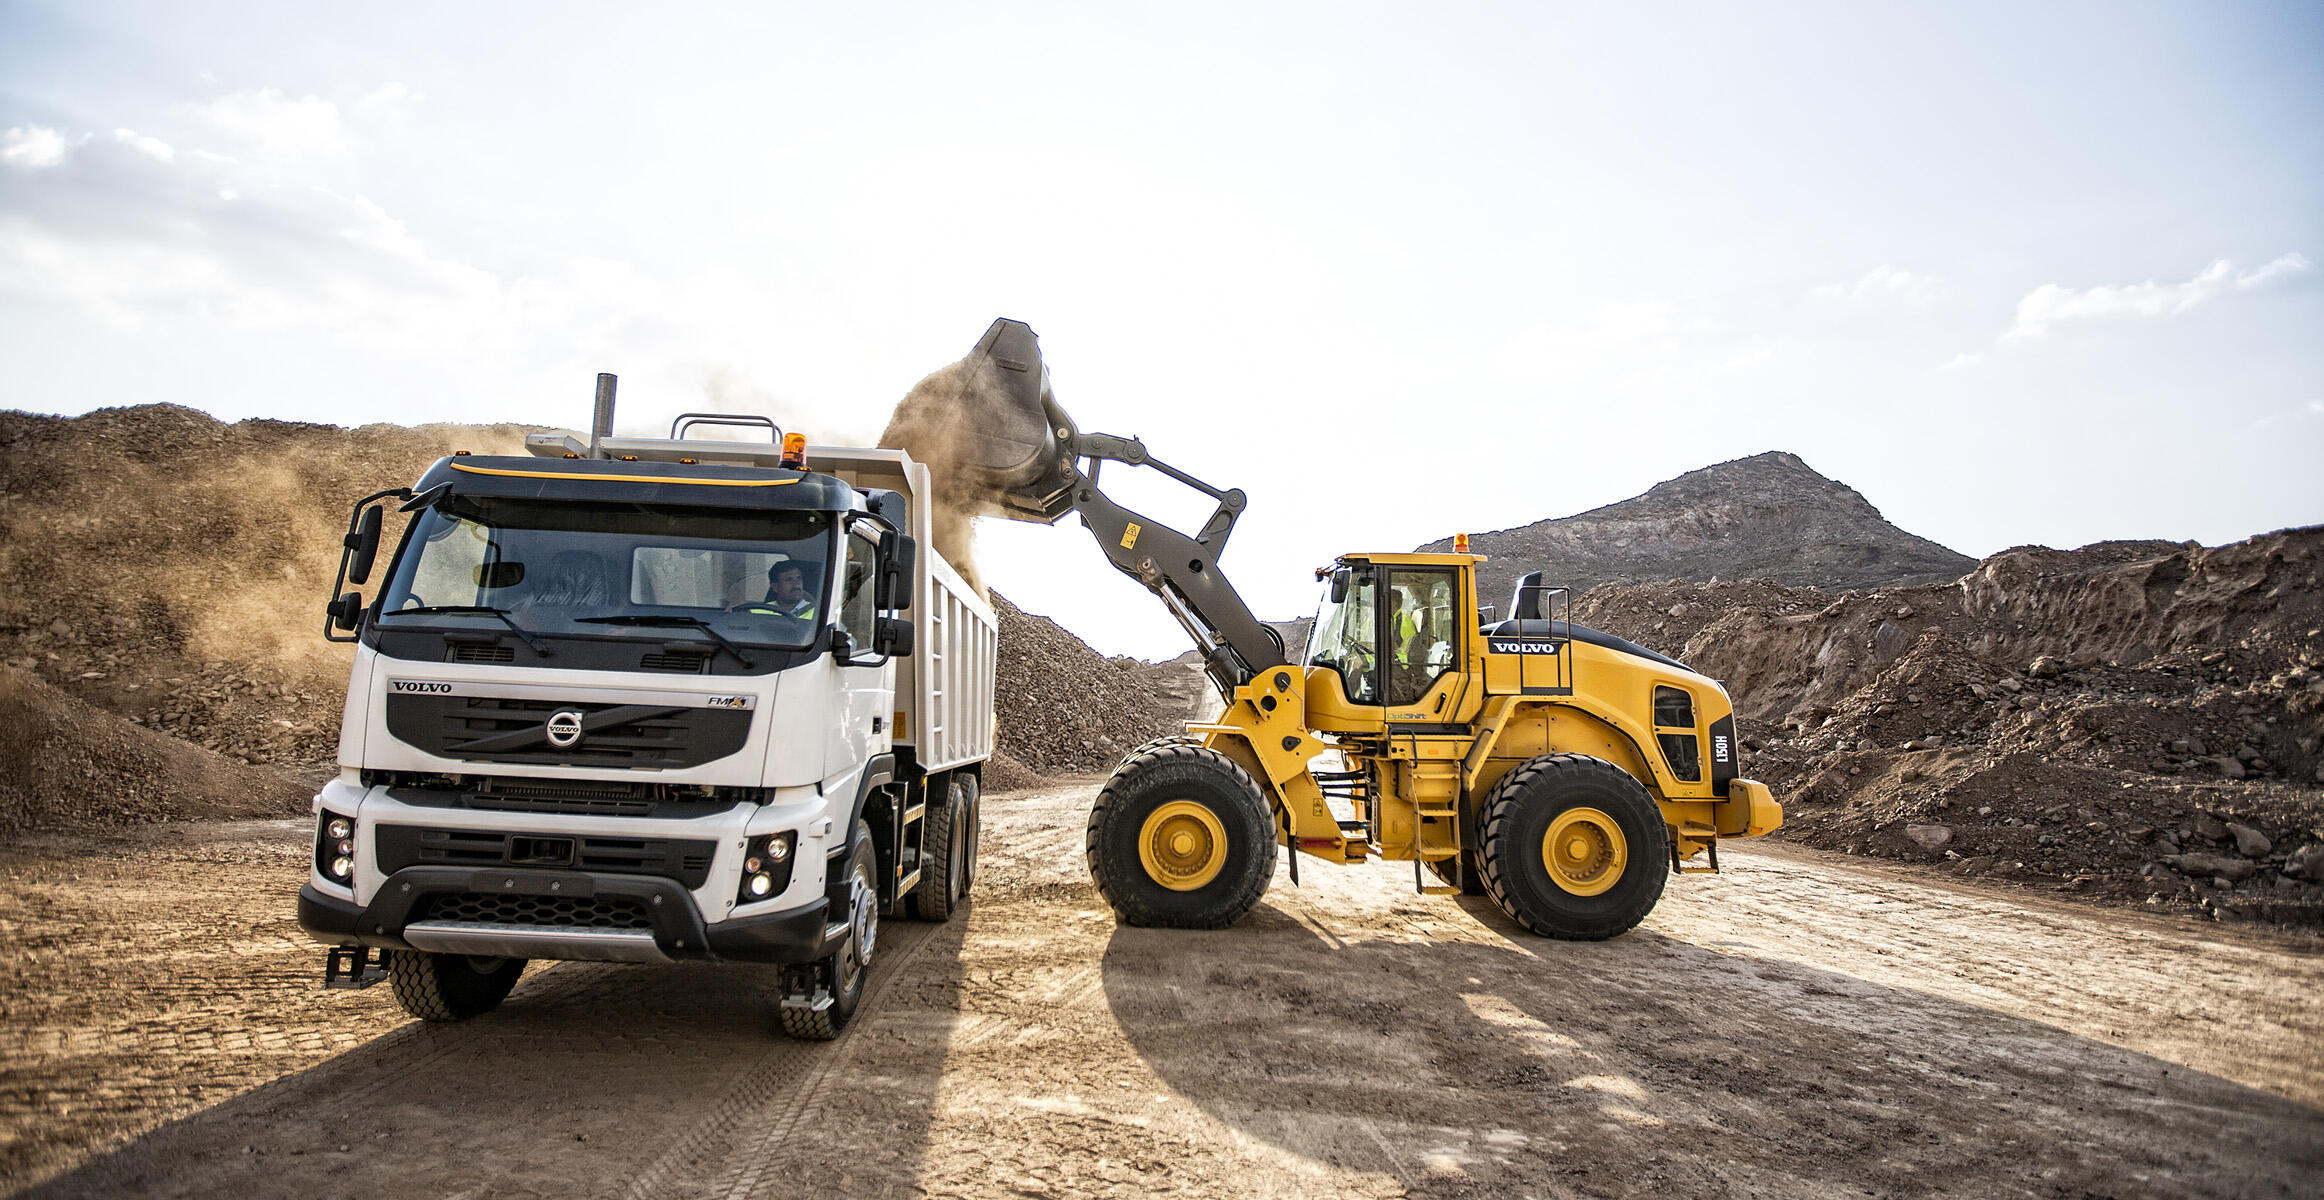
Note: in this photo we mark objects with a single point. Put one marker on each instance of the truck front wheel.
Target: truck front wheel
(450, 987)
(1181, 838)
(843, 971)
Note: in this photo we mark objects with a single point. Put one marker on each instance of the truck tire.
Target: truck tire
(845, 969)
(450, 987)
(1181, 838)
(972, 804)
(1572, 848)
(1167, 739)
(944, 878)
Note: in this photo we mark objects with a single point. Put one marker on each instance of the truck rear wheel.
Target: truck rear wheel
(844, 970)
(1181, 838)
(948, 837)
(450, 987)
(1572, 847)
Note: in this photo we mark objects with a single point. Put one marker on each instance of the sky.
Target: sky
(2019, 274)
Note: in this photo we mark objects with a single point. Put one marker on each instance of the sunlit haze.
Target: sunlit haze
(2017, 274)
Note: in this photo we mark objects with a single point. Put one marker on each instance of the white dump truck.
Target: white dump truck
(650, 700)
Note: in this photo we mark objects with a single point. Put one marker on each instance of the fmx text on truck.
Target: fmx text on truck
(650, 700)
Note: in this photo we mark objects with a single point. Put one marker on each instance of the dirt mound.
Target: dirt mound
(1770, 516)
(1064, 707)
(2142, 720)
(65, 763)
(165, 566)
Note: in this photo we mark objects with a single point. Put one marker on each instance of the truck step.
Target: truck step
(1439, 889)
(817, 1002)
(908, 882)
(353, 967)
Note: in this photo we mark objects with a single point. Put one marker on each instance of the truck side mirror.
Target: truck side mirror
(347, 611)
(891, 636)
(898, 557)
(1339, 585)
(363, 540)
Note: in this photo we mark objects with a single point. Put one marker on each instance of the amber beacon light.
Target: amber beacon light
(795, 451)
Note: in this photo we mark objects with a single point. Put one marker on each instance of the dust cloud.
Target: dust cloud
(936, 423)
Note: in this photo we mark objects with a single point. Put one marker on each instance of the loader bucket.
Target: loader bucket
(1012, 437)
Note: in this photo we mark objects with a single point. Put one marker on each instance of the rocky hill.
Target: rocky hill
(2137, 721)
(1770, 516)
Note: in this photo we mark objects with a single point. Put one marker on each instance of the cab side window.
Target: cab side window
(1419, 631)
(855, 611)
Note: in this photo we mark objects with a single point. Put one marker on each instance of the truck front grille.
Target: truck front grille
(628, 736)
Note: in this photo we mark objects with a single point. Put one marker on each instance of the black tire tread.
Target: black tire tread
(1135, 910)
(935, 897)
(1495, 858)
(427, 988)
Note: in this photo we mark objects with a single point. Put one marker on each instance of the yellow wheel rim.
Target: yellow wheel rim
(1183, 845)
(1584, 851)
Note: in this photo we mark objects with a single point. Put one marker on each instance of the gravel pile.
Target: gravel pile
(1065, 708)
(63, 763)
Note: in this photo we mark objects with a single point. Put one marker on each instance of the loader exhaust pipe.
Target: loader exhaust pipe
(601, 423)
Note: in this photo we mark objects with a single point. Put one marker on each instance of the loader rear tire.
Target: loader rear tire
(1572, 847)
(450, 987)
(1180, 838)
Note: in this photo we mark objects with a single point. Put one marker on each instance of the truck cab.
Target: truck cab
(649, 700)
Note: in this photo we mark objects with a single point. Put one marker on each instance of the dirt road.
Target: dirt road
(1798, 1027)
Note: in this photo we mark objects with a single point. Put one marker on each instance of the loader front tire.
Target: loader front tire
(1572, 847)
(1180, 838)
(450, 987)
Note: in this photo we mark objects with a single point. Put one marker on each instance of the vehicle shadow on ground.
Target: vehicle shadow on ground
(1648, 1063)
(590, 1080)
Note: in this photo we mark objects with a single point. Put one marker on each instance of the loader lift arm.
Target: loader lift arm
(1037, 472)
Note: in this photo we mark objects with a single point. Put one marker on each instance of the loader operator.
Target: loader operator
(787, 590)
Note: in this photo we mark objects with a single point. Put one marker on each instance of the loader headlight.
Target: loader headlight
(766, 867)
(335, 849)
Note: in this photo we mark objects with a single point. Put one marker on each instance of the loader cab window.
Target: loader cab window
(1418, 625)
(1346, 637)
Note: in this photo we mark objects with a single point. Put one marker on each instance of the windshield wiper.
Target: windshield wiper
(539, 647)
(673, 619)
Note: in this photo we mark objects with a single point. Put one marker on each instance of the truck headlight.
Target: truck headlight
(766, 867)
(335, 849)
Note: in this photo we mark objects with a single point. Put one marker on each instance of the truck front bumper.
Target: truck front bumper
(534, 914)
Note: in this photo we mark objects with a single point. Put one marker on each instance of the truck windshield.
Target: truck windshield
(755, 577)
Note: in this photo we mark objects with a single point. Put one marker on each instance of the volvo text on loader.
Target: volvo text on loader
(1562, 771)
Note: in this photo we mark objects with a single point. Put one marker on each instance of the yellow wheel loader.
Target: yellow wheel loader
(1562, 771)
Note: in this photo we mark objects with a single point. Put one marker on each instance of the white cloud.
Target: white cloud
(1964, 360)
(2051, 304)
(274, 121)
(32, 147)
(146, 145)
(1884, 282)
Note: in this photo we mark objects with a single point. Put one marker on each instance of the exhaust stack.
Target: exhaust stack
(601, 424)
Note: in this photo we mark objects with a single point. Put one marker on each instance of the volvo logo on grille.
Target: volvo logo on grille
(564, 727)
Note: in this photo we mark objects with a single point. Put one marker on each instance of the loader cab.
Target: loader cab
(1391, 631)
